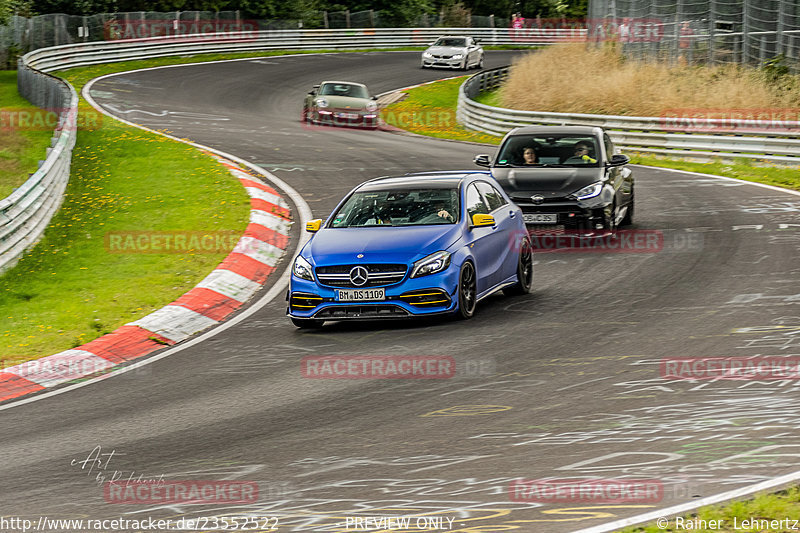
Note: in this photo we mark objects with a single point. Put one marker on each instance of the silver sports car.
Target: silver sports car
(341, 103)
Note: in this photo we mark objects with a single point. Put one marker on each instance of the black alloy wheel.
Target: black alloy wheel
(467, 291)
(524, 271)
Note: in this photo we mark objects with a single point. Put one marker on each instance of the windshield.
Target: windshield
(415, 207)
(343, 89)
(549, 150)
(450, 41)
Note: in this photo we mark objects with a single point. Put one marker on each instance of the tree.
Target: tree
(397, 13)
(22, 8)
(456, 15)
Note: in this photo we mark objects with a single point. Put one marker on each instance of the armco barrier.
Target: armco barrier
(76, 55)
(774, 141)
(25, 213)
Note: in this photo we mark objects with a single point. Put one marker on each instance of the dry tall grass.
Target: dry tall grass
(576, 79)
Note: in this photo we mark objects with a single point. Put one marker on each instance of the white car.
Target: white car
(453, 52)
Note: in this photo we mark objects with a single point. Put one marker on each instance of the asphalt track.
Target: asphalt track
(563, 383)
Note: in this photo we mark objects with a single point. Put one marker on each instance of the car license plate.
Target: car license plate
(360, 295)
(540, 218)
(347, 115)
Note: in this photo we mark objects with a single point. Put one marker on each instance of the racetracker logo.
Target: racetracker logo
(731, 368)
(587, 490)
(196, 492)
(620, 241)
(379, 367)
(176, 242)
(181, 30)
(13, 119)
(419, 119)
(60, 368)
(756, 120)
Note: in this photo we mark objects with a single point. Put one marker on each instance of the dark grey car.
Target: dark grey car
(576, 181)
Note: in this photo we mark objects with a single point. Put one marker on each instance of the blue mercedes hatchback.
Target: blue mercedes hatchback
(411, 246)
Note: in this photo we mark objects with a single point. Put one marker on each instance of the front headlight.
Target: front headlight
(457, 56)
(371, 106)
(427, 54)
(321, 102)
(303, 269)
(431, 264)
(590, 191)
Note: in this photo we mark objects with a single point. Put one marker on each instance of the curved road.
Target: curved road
(562, 383)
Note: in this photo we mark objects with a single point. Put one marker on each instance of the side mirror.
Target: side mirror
(482, 160)
(314, 225)
(480, 220)
(617, 160)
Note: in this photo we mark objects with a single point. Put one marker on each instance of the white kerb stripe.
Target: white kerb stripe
(58, 368)
(268, 220)
(174, 322)
(258, 250)
(229, 284)
(258, 194)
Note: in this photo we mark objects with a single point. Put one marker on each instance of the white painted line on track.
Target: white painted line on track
(685, 507)
(726, 178)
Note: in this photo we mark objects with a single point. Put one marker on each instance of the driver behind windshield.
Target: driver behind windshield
(529, 155)
(581, 154)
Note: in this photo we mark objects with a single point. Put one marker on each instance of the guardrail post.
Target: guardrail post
(745, 30)
(779, 27)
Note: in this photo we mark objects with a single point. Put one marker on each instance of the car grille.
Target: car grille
(441, 57)
(377, 274)
(526, 200)
(342, 312)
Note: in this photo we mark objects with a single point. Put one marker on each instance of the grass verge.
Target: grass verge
(430, 110)
(749, 516)
(21, 147)
(602, 81)
(70, 288)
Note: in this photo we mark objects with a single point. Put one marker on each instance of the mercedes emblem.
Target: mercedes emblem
(358, 275)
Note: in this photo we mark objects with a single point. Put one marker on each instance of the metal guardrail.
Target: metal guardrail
(92, 53)
(701, 138)
(26, 212)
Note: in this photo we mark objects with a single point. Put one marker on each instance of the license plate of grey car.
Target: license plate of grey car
(540, 218)
(360, 295)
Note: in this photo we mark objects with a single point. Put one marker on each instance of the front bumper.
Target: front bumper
(570, 215)
(430, 295)
(442, 63)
